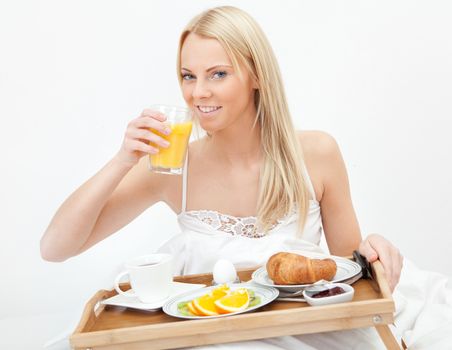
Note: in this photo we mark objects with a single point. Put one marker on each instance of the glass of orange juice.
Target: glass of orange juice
(171, 160)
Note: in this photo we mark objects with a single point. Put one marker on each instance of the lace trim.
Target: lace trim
(236, 226)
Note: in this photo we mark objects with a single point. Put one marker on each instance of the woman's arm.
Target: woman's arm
(339, 220)
(113, 197)
(327, 169)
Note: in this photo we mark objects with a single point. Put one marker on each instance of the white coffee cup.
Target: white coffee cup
(150, 277)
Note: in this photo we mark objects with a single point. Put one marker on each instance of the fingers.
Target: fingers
(141, 129)
(147, 112)
(135, 145)
(385, 256)
(389, 255)
(368, 251)
(144, 135)
(151, 122)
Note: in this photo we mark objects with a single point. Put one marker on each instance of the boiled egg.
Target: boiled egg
(224, 272)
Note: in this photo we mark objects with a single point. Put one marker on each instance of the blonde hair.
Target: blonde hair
(282, 185)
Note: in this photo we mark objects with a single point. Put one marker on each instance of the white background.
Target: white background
(375, 74)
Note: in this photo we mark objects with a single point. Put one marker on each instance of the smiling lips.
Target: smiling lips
(207, 110)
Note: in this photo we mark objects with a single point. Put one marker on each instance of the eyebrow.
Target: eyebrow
(211, 68)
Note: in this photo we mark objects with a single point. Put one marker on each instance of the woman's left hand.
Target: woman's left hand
(377, 247)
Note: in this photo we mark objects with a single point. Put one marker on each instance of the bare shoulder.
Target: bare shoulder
(322, 158)
(317, 144)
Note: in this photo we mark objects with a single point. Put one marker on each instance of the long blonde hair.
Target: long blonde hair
(282, 187)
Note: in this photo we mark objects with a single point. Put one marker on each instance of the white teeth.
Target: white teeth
(207, 109)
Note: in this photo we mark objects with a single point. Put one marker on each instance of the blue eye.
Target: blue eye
(219, 75)
(187, 76)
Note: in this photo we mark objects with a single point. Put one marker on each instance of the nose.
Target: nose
(201, 90)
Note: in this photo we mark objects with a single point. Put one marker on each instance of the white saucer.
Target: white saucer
(135, 303)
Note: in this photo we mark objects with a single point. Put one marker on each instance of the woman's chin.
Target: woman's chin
(207, 126)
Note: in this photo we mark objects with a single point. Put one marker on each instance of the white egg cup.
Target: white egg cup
(237, 280)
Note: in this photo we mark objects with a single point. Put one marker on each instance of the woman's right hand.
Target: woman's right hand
(140, 132)
(110, 199)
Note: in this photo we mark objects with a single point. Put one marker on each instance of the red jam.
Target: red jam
(329, 292)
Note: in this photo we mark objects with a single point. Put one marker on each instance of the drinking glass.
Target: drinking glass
(171, 160)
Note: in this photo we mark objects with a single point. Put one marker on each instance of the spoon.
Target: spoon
(316, 287)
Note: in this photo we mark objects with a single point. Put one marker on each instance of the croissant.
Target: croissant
(290, 268)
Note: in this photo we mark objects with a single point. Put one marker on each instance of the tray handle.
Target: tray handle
(92, 310)
(381, 279)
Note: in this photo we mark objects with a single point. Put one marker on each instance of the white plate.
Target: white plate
(135, 303)
(266, 294)
(348, 272)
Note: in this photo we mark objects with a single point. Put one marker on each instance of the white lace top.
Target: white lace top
(207, 235)
(233, 225)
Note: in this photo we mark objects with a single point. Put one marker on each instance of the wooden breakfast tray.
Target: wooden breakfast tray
(113, 327)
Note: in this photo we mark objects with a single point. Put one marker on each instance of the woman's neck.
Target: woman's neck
(238, 145)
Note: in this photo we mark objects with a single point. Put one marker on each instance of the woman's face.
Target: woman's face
(212, 88)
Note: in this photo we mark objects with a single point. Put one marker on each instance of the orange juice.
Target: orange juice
(172, 159)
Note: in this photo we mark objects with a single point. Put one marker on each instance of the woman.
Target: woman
(251, 187)
(251, 155)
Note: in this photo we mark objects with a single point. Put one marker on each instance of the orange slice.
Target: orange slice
(235, 301)
(220, 291)
(193, 309)
(205, 305)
